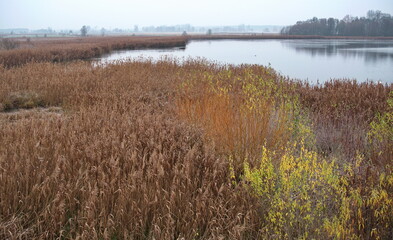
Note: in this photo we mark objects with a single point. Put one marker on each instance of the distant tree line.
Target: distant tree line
(375, 24)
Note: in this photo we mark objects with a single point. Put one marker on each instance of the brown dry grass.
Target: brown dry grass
(249, 108)
(240, 108)
(77, 48)
(138, 150)
(116, 164)
(342, 111)
(63, 49)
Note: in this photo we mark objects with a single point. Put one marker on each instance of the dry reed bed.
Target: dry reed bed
(342, 111)
(147, 150)
(318, 157)
(116, 164)
(67, 49)
(62, 49)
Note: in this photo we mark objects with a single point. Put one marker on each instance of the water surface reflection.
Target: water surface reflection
(370, 51)
(311, 60)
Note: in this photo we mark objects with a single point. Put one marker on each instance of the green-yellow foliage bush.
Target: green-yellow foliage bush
(366, 210)
(303, 195)
(299, 194)
(381, 136)
(269, 141)
(370, 205)
(306, 196)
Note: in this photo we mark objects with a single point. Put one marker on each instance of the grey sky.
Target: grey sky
(72, 14)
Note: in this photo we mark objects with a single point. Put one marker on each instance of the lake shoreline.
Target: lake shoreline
(82, 48)
(303, 59)
(278, 36)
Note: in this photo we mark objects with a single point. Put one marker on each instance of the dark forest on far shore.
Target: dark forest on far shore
(375, 23)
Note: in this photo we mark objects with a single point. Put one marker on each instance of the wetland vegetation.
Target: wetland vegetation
(195, 150)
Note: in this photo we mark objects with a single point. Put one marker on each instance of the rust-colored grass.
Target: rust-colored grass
(63, 49)
(342, 111)
(241, 109)
(273, 131)
(114, 163)
(143, 150)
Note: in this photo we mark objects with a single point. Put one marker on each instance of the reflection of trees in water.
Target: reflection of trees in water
(345, 49)
(369, 56)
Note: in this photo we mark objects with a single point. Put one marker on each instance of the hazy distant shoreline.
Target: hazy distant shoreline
(193, 36)
(61, 49)
(279, 36)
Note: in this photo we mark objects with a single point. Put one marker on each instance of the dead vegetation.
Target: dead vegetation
(8, 44)
(62, 50)
(118, 166)
(18, 100)
(142, 150)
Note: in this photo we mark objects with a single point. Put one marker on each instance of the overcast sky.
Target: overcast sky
(72, 14)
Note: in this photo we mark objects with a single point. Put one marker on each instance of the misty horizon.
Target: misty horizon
(43, 14)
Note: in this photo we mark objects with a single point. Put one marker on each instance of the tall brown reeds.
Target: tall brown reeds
(61, 50)
(143, 150)
(277, 133)
(115, 163)
(240, 109)
(342, 111)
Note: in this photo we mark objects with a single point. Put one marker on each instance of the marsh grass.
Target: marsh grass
(115, 164)
(142, 150)
(63, 50)
(302, 150)
(240, 109)
(8, 44)
(18, 100)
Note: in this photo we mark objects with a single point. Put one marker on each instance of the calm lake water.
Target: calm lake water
(312, 60)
